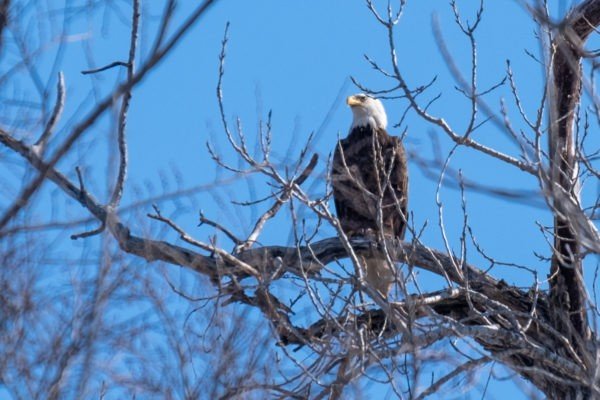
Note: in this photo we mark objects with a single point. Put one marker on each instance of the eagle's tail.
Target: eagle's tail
(378, 273)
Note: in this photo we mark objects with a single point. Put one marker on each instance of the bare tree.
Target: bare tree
(285, 321)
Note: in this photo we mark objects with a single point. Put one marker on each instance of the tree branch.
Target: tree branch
(23, 198)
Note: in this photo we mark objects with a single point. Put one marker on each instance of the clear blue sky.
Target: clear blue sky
(295, 58)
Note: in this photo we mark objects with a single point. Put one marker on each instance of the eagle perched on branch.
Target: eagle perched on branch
(370, 185)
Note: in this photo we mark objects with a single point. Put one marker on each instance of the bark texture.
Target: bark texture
(567, 289)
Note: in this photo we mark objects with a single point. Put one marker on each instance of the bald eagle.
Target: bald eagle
(369, 171)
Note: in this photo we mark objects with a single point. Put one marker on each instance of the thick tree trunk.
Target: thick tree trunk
(567, 290)
(566, 273)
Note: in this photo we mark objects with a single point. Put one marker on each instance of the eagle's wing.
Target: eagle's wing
(399, 186)
(342, 177)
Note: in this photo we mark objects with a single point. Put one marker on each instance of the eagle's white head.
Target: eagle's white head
(367, 110)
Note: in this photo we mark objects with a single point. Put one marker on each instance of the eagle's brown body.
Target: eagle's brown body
(369, 172)
(361, 164)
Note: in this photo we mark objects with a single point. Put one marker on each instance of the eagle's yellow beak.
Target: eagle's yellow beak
(353, 101)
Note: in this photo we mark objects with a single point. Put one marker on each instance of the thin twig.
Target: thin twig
(106, 67)
(40, 145)
(121, 134)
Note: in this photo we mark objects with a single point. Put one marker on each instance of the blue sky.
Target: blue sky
(296, 59)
